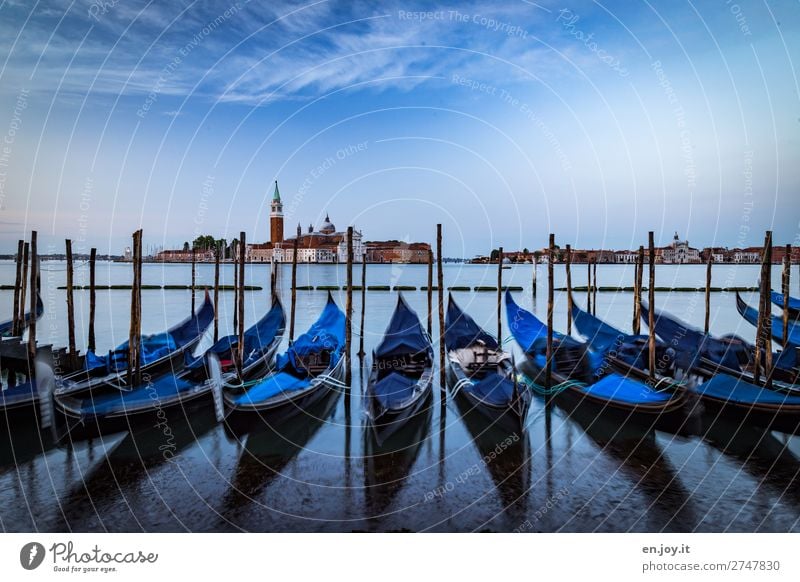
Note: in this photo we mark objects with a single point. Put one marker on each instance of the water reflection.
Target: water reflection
(387, 465)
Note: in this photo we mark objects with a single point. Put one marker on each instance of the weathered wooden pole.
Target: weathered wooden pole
(133, 335)
(430, 292)
(651, 296)
(235, 262)
(91, 344)
(73, 356)
(361, 352)
(500, 296)
(15, 323)
(440, 281)
(709, 261)
(533, 282)
(240, 320)
(34, 285)
(569, 289)
(548, 377)
(216, 291)
(767, 309)
(787, 264)
(140, 260)
(635, 319)
(588, 284)
(194, 275)
(293, 308)
(594, 288)
(348, 322)
(23, 289)
(637, 327)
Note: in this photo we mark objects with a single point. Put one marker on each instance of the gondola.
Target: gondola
(751, 315)
(793, 304)
(584, 378)
(159, 353)
(401, 375)
(706, 355)
(734, 397)
(313, 365)
(109, 407)
(6, 327)
(482, 373)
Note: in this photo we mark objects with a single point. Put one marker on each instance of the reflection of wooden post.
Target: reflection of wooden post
(708, 291)
(499, 296)
(548, 378)
(361, 352)
(594, 288)
(15, 323)
(194, 258)
(295, 246)
(34, 284)
(533, 283)
(216, 292)
(651, 295)
(91, 345)
(787, 265)
(348, 329)
(240, 305)
(767, 313)
(73, 357)
(569, 290)
(430, 292)
(440, 279)
(23, 288)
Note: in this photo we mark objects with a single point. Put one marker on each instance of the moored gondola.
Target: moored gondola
(401, 374)
(751, 315)
(6, 327)
(312, 366)
(109, 407)
(482, 373)
(581, 377)
(793, 304)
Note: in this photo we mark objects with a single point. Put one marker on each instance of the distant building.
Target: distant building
(393, 251)
(679, 252)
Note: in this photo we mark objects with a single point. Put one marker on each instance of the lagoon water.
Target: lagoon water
(450, 472)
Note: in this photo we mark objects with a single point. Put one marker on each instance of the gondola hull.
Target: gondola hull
(509, 419)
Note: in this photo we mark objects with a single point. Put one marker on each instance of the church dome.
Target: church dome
(327, 226)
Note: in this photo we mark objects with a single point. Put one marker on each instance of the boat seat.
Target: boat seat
(316, 362)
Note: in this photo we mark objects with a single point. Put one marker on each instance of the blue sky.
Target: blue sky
(504, 121)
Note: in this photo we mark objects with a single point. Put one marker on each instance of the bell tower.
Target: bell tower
(276, 217)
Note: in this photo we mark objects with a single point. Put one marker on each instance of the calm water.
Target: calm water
(320, 473)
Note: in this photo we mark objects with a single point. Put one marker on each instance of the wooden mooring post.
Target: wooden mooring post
(348, 322)
(92, 344)
(569, 288)
(594, 288)
(15, 324)
(34, 285)
(240, 304)
(235, 261)
(767, 313)
(216, 292)
(533, 282)
(23, 288)
(500, 296)
(588, 285)
(785, 281)
(73, 356)
(637, 323)
(548, 377)
(293, 308)
(440, 284)
(430, 293)
(707, 320)
(135, 331)
(361, 352)
(194, 275)
(651, 296)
